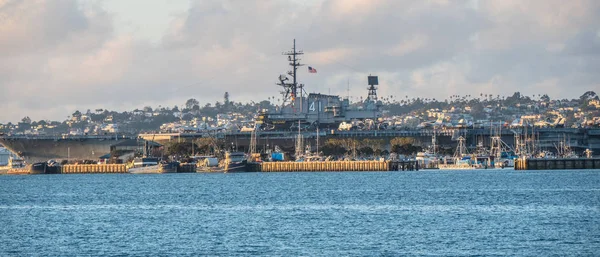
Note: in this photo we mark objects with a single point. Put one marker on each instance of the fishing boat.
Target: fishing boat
(235, 162)
(429, 159)
(461, 159)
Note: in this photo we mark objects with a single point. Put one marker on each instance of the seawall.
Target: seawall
(557, 164)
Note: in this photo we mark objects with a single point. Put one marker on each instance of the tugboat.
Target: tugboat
(307, 112)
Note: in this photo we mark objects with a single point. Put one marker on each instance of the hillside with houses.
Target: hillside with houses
(399, 113)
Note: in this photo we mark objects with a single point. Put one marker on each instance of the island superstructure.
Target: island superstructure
(309, 111)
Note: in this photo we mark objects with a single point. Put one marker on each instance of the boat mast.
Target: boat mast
(299, 143)
(317, 140)
(461, 148)
(433, 142)
(252, 149)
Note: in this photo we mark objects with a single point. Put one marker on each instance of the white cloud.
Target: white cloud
(60, 56)
(410, 45)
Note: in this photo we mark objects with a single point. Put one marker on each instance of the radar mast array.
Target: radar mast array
(291, 88)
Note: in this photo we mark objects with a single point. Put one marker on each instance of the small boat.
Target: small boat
(15, 165)
(16, 162)
(151, 165)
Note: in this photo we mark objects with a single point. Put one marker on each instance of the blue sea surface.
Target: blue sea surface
(481, 212)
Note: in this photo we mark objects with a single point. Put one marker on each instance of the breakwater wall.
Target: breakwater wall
(557, 164)
(334, 166)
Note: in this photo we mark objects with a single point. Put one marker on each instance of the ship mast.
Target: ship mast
(291, 89)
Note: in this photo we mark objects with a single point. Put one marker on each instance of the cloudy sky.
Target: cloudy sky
(58, 56)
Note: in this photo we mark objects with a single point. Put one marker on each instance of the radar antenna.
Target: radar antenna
(373, 81)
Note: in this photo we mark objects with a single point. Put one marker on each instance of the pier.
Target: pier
(557, 164)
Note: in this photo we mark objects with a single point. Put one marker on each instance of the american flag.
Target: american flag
(312, 70)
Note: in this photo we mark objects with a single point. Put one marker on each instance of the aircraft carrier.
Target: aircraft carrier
(310, 111)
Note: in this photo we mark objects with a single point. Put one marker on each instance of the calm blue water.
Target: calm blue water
(500, 212)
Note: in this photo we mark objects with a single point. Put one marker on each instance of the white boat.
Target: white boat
(461, 165)
(151, 165)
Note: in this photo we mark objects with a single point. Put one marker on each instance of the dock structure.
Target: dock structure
(557, 164)
(93, 168)
(333, 166)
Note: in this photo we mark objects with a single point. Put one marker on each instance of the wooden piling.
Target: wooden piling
(334, 166)
(93, 168)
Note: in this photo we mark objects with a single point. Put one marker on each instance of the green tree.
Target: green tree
(407, 149)
(332, 149)
(226, 99)
(183, 148)
(402, 141)
(366, 150)
(189, 104)
(26, 120)
(545, 98)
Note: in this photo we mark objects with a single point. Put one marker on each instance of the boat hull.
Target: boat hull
(43, 168)
(209, 169)
(460, 166)
(235, 167)
(154, 169)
